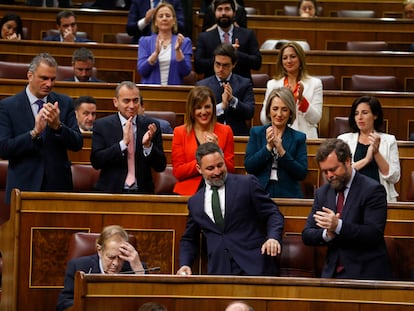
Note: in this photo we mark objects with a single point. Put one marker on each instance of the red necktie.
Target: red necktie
(130, 179)
(340, 202)
(339, 206)
(226, 37)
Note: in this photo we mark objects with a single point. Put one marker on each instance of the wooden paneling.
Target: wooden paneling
(34, 241)
(106, 292)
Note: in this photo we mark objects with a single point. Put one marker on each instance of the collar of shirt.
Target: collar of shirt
(123, 120)
(33, 99)
(227, 79)
(230, 32)
(207, 201)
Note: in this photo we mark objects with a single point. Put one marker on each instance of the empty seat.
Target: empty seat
(374, 83)
(84, 244)
(169, 116)
(297, 259)
(123, 38)
(13, 70)
(84, 177)
(164, 182)
(366, 46)
(328, 82)
(260, 79)
(272, 44)
(250, 10)
(340, 125)
(356, 13)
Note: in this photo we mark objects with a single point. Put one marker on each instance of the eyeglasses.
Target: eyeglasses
(220, 65)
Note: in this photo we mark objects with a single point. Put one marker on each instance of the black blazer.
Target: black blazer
(41, 164)
(242, 89)
(106, 154)
(248, 53)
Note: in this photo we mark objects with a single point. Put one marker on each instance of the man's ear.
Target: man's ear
(99, 249)
(198, 168)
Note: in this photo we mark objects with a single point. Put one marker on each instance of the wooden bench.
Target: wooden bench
(206, 293)
(41, 225)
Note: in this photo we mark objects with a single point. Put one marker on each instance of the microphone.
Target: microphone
(142, 270)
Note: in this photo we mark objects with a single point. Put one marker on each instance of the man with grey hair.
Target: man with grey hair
(239, 306)
(37, 128)
(83, 62)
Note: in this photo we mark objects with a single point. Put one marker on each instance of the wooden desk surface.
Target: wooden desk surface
(106, 292)
(41, 224)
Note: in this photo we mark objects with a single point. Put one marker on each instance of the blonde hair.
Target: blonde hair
(154, 27)
(280, 70)
(285, 94)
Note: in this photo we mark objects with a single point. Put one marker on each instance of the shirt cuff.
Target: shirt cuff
(123, 146)
(219, 109)
(141, 24)
(148, 150)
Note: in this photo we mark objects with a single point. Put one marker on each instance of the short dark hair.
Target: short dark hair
(315, 4)
(341, 148)
(83, 55)
(216, 3)
(64, 14)
(376, 110)
(206, 149)
(226, 49)
(83, 99)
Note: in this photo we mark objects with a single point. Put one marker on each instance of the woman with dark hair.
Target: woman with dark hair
(11, 27)
(165, 56)
(307, 8)
(275, 153)
(291, 72)
(200, 126)
(375, 154)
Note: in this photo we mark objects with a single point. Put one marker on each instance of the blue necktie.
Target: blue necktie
(40, 104)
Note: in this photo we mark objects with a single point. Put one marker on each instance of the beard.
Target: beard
(339, 182)
(217, 182)
(224, 22)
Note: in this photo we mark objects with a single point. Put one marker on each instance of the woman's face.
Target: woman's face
(164, 19)
(364, 118)
(8, 29)
(203, 113)
(307, 9)
(290, 61)
(279, 113)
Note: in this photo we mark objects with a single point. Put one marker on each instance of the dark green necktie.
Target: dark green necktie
(215, 204)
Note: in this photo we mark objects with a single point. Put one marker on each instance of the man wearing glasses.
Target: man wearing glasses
(234, 93)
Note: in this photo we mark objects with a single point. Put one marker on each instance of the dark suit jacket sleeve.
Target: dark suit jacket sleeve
(203, 56)
(136, 12)
(267, 210)
(249, 55)
(243, 90)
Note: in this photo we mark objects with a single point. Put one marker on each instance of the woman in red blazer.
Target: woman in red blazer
(199, 126)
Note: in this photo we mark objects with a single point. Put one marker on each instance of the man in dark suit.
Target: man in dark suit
(37, 127)
(245, 235)
(66, 24)
(114, 255)
(354, 233)
(125, 146)
(83, 62)
(234, 93)
(243, 40)
(141, 13)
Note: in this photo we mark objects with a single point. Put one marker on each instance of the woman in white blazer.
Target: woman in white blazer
(291, 72)
(374, 153)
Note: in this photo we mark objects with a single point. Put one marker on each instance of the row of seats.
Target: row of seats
(357, 46)
(15, 70)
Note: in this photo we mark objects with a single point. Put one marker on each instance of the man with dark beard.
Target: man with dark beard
(242, 225)
(349, 215)
(243, 40)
